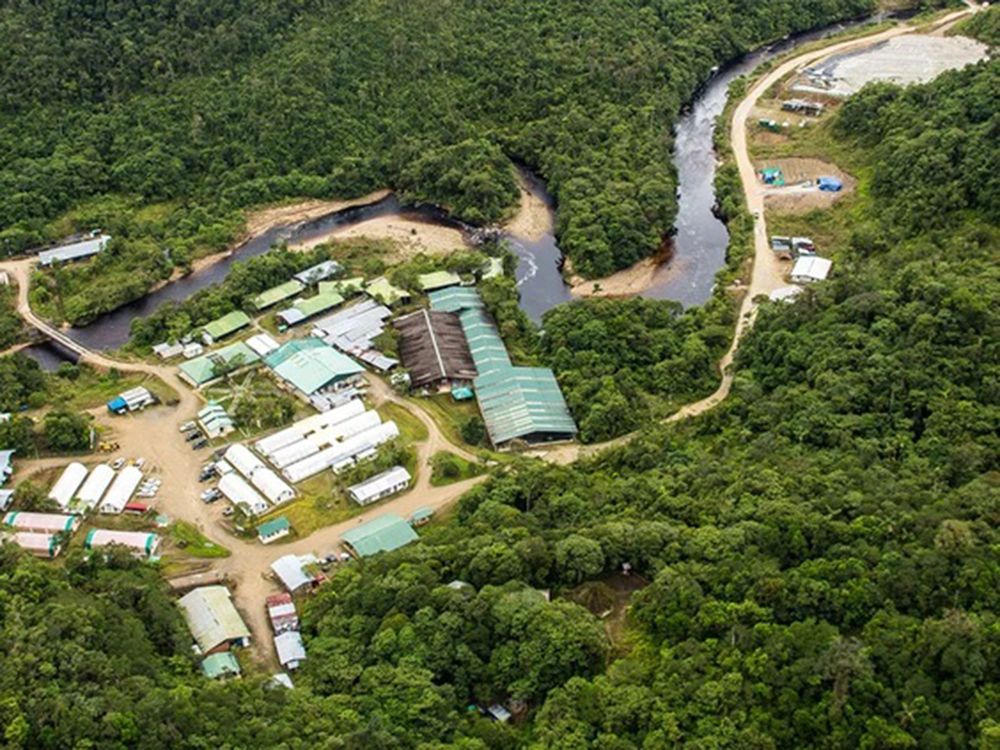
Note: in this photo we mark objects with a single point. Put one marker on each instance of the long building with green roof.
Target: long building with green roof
(517, 403)
(308, 365)
(382, 534)
(277, 294)
(210, 366)
(225, 326)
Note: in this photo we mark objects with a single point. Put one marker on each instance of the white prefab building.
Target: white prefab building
(243, 460)
(348, 428)
(381, 485)
(69, 482)
(262, 344)
(139, 542)
(348, 449)
(291, 651)
(309, 425)
(273, 487)
(42, 523)
(241, 494)
(290, 570)
(121, 490)
(137, 398)
(40, 545)
(295, 452)
(93, 489)
(809, 268)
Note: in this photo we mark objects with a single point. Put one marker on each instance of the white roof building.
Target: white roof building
(262, 344)
(93, 488)
(69, 482)
(290, 571)
(381, 485)
(343, 430)
(213, 620)
(810, 268)
(243, 460)
(42, 523)
(241, 494)
(166, 351)
(291, 651)
(140, 542)
(295, 452)
(273, 487)
(335, 454)
(6, 498)
(785, 294)
(121, 490)
(73, 251)
(304, 427)
(40, 545)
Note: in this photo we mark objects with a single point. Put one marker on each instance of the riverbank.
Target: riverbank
(410, 236)
(535, 215)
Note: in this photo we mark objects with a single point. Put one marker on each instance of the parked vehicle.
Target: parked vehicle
(117, 463)
(228, 511)
(192, 436)
(188, 426)
(199, 444)
(210, 494)
(140, 462)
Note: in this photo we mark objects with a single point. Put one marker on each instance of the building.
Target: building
(290, 649)
(42, 523)
(121, 490)
(39, 545)
(318, 273)
(421, 516)
(6, 498)
(341, 454)
(310, 365)
(810, 268)
(134, 399)
(6, 465)
(262, 344)
(139, 543)
(291, 571)
(344, 287)
(69, 482)
(73, 251)
(192, 349)
(803, 107)
(272, 486)
(785, 294)
(381, 290)
(304, 309)
(93, 489)
(380, 486)
(277, 294)
(438, 280)
(227, 325)
(299, 430)
(167, 350)
(242, 495)
(523, 403)
(433, 348)
(516, 403)
(353, 329)
(282, 614)
(242, 459)
(214, 365)
(803, 245)
(214, 420)
(382, 534)
(272, 530)
(213, 620)
(220, 666)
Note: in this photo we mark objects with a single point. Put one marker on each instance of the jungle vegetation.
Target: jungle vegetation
(161, 123)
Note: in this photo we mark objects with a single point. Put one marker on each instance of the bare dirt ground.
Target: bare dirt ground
(794, 198)
(409, 237)
(275, 216)
(628, 282)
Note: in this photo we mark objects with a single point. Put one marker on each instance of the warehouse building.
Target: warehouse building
(274, 295)
(344, 287)
(213, 620)
(433, 348)
(133, 399)
(242, 495)
(212, 366)
(318, 273)
(304, 309)
(121, 490)
(140, 543)
(69, 482)
(93, 489)
(242, 459)
(272, 487)
(438, 280)
(310, 365)
(382, 534)
(262, 344)
(342, 454)
(353, 329)
(383, 291)
(810, 268)
(380, 486)
(73, 251)
(42, 523)
(297, 431)
(227, 325)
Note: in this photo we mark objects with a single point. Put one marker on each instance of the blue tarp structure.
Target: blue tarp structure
(117, 405)
(830, 184)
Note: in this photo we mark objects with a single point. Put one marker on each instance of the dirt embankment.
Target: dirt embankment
(535, 216)
(409, 236)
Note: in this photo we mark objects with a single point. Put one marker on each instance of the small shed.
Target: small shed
(6, 465)
(290, 570)
(214, 420)
(421, 516)
(319, 272)
(380, 486)
(810, 268)
(830, 184)
(281, 612)
(291, 651)
(272, 530)
(220, 666)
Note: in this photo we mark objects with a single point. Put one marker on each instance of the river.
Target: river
(700, 239)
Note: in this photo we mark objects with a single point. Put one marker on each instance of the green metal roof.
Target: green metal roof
(318, 303)
(274, 526)
(310, 364)
(274, 295)
(438, 279)
(227, 324)
(386, 292)
(221, 664)
(517, 402)
(343, 286)
(201, 369)
(455, 298)
(382, 534)
(422, 513)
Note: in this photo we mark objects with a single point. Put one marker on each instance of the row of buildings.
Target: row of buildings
(45, 535)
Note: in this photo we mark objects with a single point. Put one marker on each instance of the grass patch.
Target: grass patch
(322, 502)
(193, 543)
(91, 388)
(450, 415)
(411, 429)
(448, 468)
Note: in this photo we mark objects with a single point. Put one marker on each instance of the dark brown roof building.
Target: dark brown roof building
(433, 348)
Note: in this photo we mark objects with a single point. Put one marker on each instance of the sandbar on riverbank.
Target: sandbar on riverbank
(410, 236)
(535, 216)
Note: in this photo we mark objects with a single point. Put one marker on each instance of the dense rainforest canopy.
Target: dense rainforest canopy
(816, 556)
(160, 122)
